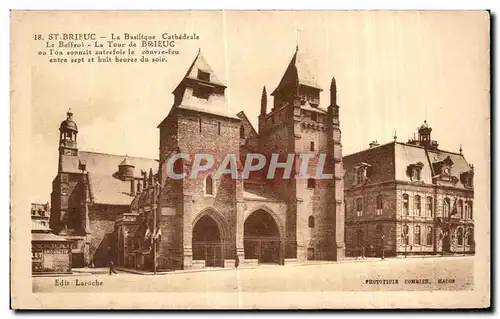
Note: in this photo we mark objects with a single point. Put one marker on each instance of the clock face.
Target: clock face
(447, 170)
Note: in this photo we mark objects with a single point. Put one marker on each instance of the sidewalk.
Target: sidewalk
(305, 263)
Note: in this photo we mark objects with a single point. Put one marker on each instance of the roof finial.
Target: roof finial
(297, 46)
(69, 114)
(199, 50)
(395, 136)
(461, 150)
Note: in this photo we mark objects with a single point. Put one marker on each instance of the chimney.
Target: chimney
(374, 144)
(139, 186)
(132, 187)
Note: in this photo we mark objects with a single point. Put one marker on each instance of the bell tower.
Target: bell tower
(67, 136)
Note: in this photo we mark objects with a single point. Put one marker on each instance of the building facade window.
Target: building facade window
(405, 235)
(360, 176)
(470, 236)
(460, 208)
(380, 205)
(429, 206)
(311, 221)
(417, 237)
(359, 207)
(218, 128)
(199, 123)
(209, 185)
(406, 204)
(460, 236)
(446, 207)
(311, 183)
(418, 205)
(429, 236)
(468, 210)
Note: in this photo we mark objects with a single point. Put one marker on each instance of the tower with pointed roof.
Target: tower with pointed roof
(199, 122)
(297, 124)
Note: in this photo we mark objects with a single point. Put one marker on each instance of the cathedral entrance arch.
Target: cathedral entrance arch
(262, 239)
(208, 243)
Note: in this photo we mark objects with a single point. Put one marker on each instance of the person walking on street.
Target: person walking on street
(112, 268)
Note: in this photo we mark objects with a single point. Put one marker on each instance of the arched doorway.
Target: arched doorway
(262, 239)
(207, 242)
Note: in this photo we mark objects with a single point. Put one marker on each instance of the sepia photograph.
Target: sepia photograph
(250, 159)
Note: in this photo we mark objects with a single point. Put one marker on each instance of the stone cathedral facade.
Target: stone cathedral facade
(215, 221)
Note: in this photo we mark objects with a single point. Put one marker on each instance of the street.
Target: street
(411, 274)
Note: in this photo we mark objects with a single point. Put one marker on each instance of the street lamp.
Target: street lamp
(382, 237)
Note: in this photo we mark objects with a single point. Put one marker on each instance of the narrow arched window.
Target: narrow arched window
(416, 239)
(446, 207)
(429, 236)
(429, 206)
(311, 221)
(418, 205)
(405, 234)
(470, 236)
(460, 237)
(406, 206)
(242, 131)
(460, 208)
(209, 185)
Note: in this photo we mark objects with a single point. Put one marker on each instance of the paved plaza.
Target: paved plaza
(434, 273)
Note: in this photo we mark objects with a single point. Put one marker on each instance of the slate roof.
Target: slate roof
(105, 186)
(297, 71)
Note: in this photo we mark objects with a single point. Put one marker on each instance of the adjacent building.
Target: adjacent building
(89, 193)
(408, 198)
(49, 253)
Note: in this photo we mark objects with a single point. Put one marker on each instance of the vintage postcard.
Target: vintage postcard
(250, 159)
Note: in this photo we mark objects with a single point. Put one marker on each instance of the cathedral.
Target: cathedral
(130, 211)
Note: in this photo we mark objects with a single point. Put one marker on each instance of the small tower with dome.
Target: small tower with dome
(67, 136)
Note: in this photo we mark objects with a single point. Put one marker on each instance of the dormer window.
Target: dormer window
(467, 178)
(361, 173)
(414, 171)
(204, 76)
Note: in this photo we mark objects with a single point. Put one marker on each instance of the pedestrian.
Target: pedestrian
(237, 261)
(112, 268)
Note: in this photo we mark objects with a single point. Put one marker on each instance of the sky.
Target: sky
(393, 71)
